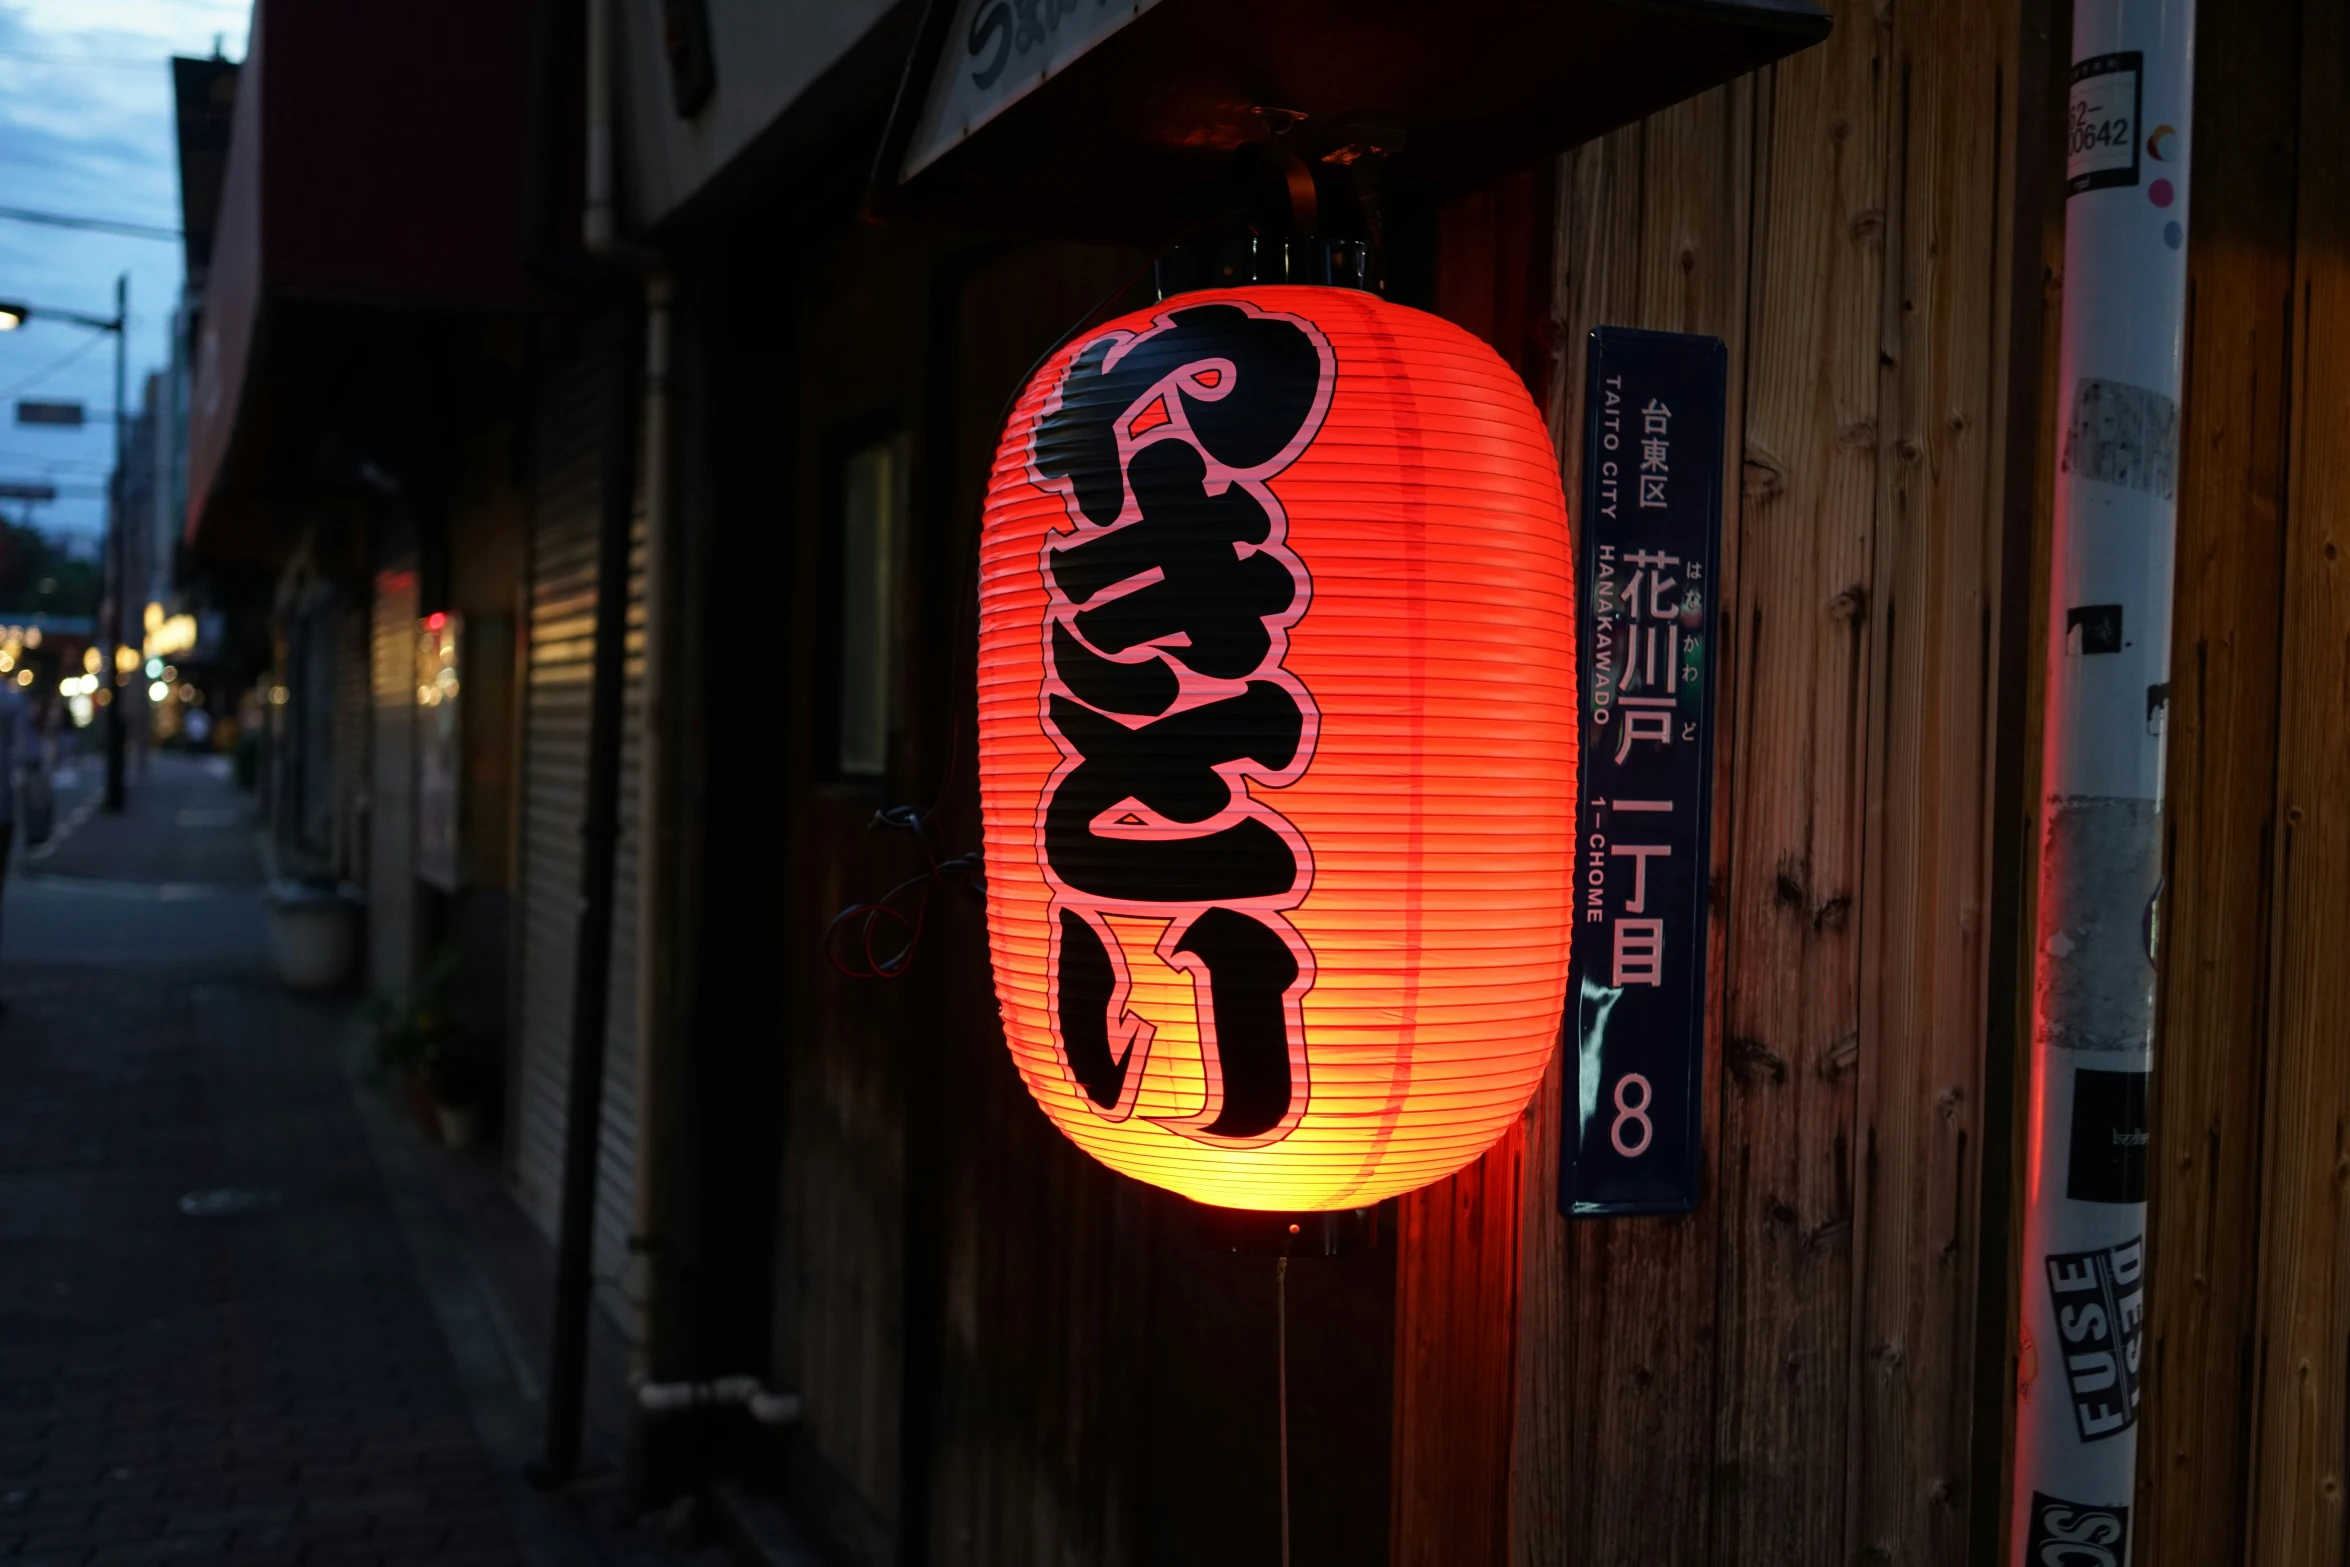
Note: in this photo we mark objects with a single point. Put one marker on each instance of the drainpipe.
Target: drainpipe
(2107, 644)
(591, 989)
(623, 273)
(652, 843)
(597, 220)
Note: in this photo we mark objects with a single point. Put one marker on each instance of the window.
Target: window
(873, 503)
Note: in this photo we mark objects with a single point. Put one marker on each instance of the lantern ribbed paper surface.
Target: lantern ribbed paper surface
(1277, 745)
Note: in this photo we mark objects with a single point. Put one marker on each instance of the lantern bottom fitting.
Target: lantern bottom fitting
(1257, 1232)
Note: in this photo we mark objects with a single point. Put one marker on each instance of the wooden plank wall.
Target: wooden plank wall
(2295, 1500)
(853, 1048)
(1789, 1374)
(1616, 1362)
(2242, 1452)
(2221, 789)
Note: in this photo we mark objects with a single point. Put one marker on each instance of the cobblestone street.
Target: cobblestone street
(215, 1343)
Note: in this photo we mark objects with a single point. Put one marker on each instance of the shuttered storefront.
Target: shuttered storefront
(308, 799)
(354, 702)
(561, 646)
(391, 816)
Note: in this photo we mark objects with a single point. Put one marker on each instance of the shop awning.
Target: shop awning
(376, 160)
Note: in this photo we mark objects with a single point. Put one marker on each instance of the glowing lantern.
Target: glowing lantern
(1277, 745)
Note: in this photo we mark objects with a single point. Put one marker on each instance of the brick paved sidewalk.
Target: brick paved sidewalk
(184, 823)
(274, 1385)
(269, 1386)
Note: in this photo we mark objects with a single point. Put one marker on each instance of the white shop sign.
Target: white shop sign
(998, 51)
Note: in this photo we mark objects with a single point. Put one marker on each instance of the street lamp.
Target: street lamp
(14, 314)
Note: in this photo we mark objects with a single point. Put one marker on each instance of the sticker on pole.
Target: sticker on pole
(2077, 1534)
(2101, 134)
(2099, 1300)
(1651, 524)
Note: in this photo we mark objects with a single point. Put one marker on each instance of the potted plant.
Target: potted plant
(313, 932)
(438, 1057)
(459, 1075)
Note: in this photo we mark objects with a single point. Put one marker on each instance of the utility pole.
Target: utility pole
(15, 313)
(2107, 644)
(117, 726)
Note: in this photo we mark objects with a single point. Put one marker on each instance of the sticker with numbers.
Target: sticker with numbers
(1650, 541)
(2101, 123)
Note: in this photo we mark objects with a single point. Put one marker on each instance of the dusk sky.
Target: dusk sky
(86, 128)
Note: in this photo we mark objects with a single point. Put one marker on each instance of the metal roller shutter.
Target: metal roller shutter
(561, 645)
(353, 700)
(391, 815)
(308, 798)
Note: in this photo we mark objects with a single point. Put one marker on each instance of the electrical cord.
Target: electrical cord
(1281, 1393)
(963, 871)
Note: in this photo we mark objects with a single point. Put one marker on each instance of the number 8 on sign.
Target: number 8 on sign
(1632, 1114)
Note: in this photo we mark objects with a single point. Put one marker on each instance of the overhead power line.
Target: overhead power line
(46, 371)
(67, 220)
(101, 62)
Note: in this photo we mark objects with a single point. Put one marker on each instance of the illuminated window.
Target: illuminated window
(872, 518)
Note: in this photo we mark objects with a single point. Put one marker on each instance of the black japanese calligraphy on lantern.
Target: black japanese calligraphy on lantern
(1170, 603)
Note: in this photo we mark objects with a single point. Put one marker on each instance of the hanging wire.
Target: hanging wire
(963, 871)
(50, 369)
(871, 919)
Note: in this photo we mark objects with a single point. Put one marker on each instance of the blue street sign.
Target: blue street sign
(1651, 547)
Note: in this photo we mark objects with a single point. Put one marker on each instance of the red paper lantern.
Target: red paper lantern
(1277, 745)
